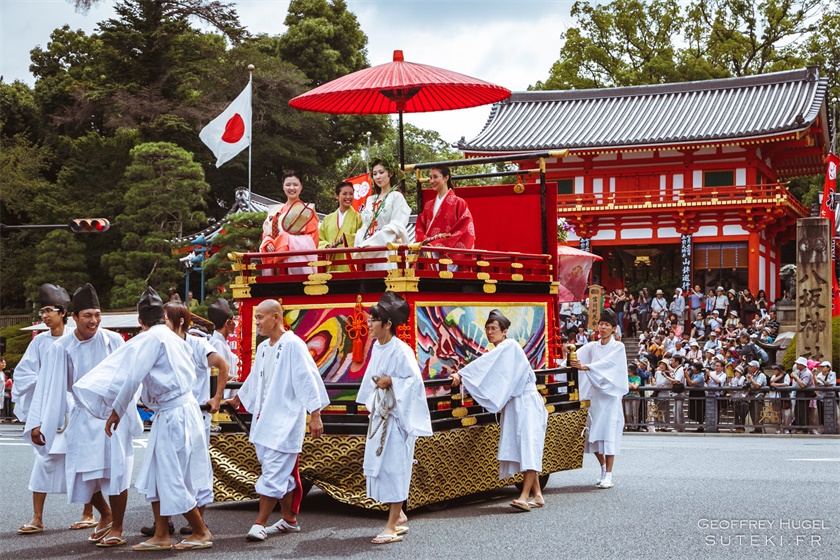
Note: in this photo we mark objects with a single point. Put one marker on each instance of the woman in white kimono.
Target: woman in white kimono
(392, 390)
(384, 216)
(502, 381)
(602, 368)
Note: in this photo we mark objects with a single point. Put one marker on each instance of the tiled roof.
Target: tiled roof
(679, 113)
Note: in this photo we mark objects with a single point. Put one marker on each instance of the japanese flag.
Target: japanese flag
(230, 133)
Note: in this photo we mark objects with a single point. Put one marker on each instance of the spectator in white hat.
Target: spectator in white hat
(805, 407)
(677, 306)
(781, 401)
(721, 302)
(713, 343)
(824, 378)
(739, 399)
(694, 353)
(756, 380)
(714, 322)
(659, 303)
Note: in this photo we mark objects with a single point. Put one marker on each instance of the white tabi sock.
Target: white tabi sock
(603, 471)
(607, 476)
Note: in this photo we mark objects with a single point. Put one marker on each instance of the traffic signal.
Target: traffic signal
(89, 225)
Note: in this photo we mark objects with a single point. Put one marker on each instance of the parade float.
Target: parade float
(450, 293)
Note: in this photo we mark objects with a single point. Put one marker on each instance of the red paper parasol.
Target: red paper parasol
(399, 87)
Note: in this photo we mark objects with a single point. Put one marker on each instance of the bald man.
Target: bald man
(285, 375)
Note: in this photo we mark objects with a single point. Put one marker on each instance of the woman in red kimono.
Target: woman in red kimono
(447, 213)
(292, 226)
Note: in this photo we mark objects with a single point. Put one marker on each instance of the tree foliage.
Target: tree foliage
(152, 75)
(323, 39)
(164, 190)
(58, 259)
(631, 42)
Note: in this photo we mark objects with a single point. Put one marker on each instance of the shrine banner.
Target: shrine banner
(361, 189)
(830, 209)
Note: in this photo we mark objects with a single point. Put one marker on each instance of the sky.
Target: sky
(512, 43)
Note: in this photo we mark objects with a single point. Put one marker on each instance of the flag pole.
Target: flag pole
(250, 124)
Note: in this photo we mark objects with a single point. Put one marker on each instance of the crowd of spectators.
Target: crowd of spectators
(717, 338)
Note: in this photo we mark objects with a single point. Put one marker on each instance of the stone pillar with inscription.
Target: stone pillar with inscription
(813, 287)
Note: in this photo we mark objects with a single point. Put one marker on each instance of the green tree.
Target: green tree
(323, 39)
(241, 233)
(58, 259)
(164, 187)
(19, 113)
(630, 42)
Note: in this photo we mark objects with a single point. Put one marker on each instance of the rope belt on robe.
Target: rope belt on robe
(384, 402)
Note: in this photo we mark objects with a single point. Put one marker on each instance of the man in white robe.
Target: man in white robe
(94, 464)
(503, 381)
(176, 460)
(48, 470)
(221, 315)
(602, 369)
(283, 386)
(392, 390)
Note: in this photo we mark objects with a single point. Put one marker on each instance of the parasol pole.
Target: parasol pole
(402, 154)
(367, 155)
(250, 125)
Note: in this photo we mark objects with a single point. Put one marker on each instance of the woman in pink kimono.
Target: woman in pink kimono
(292, 226)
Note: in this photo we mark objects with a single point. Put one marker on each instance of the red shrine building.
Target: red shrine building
(675, 184)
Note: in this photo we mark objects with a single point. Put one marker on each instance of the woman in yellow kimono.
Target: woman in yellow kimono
(339, 228)
(292, 226)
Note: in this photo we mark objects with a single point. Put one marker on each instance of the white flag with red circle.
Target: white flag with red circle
(230, 133)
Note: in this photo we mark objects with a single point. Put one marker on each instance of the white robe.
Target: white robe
(201, 348)
(391, 224)
(295, 388)
(503, 380)
(93, 461)
(604, 385)
(389, 474)
(48, 470)
(221, 345)
(176, 462)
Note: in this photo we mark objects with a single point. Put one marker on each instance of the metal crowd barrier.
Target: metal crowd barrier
(718, 409)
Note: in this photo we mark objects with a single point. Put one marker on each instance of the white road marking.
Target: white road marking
(828, 459)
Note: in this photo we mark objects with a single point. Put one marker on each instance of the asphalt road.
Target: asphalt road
(676, 496)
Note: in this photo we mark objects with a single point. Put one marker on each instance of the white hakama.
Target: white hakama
(283, 386)
(388, 474)
(603, 384)
(93, 463)
(503, 381)
(278, 472)
(48, 475)
(176, 461)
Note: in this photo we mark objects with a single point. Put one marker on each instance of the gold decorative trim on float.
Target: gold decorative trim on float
(445, 274)
(448, 465)
(319, 263)
(317, 283)
(490, 286)
(516, 277)
(402, 280)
